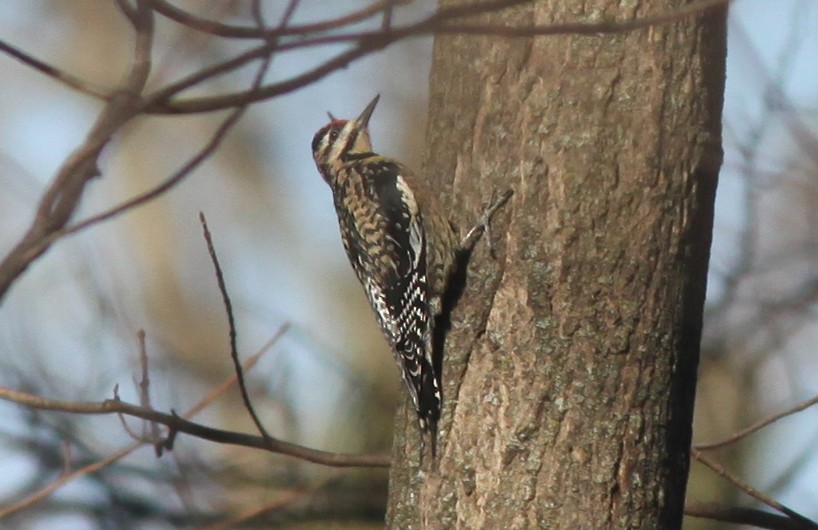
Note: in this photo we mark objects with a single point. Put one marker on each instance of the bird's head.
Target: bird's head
(339, 138)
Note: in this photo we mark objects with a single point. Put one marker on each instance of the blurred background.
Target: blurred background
(68, 327)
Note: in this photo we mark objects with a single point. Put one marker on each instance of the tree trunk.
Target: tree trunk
(570, 366)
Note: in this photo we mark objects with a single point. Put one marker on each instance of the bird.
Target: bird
(401, 245)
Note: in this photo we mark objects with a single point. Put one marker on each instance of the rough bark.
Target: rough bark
(571, 363)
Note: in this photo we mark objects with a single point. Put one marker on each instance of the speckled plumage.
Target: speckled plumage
(401, 245)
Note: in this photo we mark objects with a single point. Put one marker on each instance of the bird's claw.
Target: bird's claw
(484, 223)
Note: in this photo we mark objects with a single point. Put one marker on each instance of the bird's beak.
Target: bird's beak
(331, 117)
(363, 119)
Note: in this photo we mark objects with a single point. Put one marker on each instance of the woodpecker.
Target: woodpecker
(401, 245)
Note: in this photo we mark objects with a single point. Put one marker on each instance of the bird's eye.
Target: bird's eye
(333, 135)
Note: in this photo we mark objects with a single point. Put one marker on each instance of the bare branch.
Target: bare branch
(277, 503)
(242, 32)
(39, 495)
(174, 179)
(215, 141)
(248, 364)
(164, 105)
(91, 468)
(144, 381)
(231, 322)
(65, 78)
(752, 492)
(758, 425)
(443, 21)
(228, 305)
(169, 183)
(63, 195)
(130, 432)
(144, 386)
(130, 13)
(177, 424)
(739, 515)
(800, 130)
(66, 451)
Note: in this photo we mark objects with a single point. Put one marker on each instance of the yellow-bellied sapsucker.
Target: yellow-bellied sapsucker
(400, 243)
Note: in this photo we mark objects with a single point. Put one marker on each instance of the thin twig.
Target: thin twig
(444, 21)
(752, 492)
(285, 18)
(144, 381)
(144, 386)
(66, 457)
(169, 183)
(39, 495)
(165, 105)
(65, 78)
(231, 322)
(242, 32)
(124, 423)
(228, 305)
(247, 365)
(254, 511)
(203, 403)
(758, 425)
(129, 11)
(81, 166)
(175, 178)
(177, 424)
(62, 197)
(740, 515)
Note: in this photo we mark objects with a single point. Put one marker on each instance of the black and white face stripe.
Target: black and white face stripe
(340, 138)
(325, 138)
(318, 139)
(347, 140)
(336, 141)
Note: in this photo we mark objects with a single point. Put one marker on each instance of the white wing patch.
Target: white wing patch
(415, 226)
